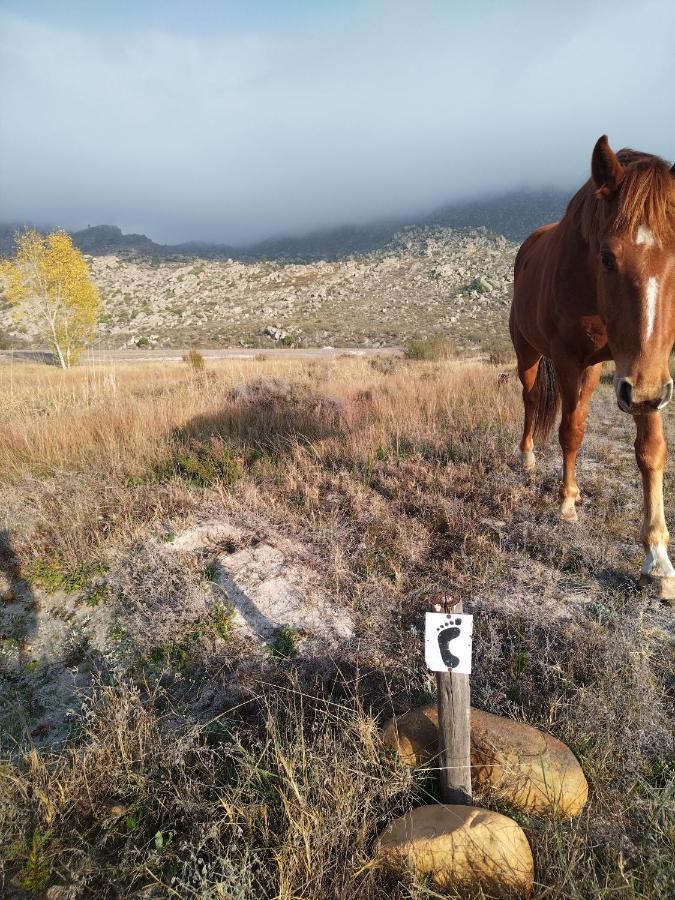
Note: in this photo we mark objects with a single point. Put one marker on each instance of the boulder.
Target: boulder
(462, 847)
(528, 768)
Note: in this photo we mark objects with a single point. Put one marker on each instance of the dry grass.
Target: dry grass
(401, 480)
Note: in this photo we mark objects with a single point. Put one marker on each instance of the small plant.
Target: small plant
(35, 874)
(142, 343)
(211, 571)
(430, 349)
(51, 575)
(77, 579)
(195, 360)
(207, 463)
(385, 365)
(220, 621)
(97, 595)
(117, 633)
(287, 340)
(46, 574)
(180, 655)
(285, 643)
(500, 351)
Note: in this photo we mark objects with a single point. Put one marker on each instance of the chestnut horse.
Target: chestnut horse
(600, 285)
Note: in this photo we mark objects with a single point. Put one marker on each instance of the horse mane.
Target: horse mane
(646, 197)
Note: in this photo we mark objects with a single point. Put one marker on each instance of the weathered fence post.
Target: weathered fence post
(454, 728)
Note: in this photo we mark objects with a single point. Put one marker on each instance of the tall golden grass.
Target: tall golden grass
(399, 479)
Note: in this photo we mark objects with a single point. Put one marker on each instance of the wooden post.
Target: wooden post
(454, 729)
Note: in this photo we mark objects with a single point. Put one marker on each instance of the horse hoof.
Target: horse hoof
(568, 512)
(527, 460)
(662, 586)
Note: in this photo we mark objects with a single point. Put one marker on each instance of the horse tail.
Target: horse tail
(548, 400)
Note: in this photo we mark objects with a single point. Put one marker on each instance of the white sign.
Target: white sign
(447, 642)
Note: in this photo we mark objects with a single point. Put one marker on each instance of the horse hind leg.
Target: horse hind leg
(528, 367)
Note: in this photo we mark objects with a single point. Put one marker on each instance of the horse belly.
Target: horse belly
(531, 310)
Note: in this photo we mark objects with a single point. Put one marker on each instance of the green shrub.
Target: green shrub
(208, 462)
(285, 643)
(433, 348)
(195, 359)
(52, 575)
(500, 351)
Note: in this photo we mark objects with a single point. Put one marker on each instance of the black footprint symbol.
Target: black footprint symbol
(447, 633)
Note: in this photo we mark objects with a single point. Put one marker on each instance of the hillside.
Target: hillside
(376, 285)
(426, 280)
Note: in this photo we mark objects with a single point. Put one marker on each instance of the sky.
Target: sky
(236, 121)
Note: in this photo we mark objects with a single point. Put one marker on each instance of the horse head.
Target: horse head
(633, 254)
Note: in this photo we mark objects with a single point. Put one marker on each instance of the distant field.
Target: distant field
(157, 743)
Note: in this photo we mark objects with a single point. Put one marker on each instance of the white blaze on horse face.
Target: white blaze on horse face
(651, 296)
(657, 563)
(644, 237)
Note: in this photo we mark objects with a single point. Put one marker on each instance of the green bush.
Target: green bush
(433, 348)
(52, 575)
(195, 359)
(208, 462)
(285, 643)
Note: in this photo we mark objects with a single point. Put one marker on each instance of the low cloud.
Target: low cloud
(397, 108)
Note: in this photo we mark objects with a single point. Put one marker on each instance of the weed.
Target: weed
(220, 621)
(37, 865)
(97, 595)
(52, 575)
(195, 360)
(181, 654)
(285, 643)
(427, 349)
(211, 571)
(208, 462)
(118, 633)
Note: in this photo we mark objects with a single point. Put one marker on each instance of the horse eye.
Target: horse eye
(608, 260)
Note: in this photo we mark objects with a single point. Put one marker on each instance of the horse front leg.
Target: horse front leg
(651, 453)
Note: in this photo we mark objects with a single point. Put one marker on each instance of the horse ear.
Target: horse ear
(606, 169)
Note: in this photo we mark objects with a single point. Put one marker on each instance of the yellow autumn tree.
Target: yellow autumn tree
(50, 291)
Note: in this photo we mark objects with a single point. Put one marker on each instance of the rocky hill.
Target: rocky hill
(425, 281)
(374, 285)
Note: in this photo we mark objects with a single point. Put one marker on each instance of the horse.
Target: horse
(600, 285)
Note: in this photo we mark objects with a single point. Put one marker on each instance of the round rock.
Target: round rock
(462, 847)
(528, 768)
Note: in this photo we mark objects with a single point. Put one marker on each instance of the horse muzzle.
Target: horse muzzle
(636, 403)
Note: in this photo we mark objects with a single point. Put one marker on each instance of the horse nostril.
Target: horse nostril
(666, 394)
(625, 394)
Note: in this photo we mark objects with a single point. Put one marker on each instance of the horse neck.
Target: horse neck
(577, 239)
